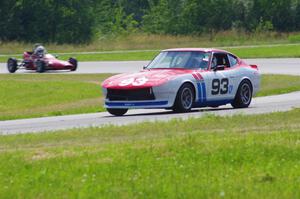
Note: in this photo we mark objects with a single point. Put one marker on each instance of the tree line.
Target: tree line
(80, 21)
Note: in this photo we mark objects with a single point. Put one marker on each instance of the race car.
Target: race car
(40, 63)
(182, 79)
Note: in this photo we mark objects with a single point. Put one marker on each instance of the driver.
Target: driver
(39, 50)
(214, 62)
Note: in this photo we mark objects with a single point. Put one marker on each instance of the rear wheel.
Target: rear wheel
(117, 111)
(243, 96)
(12, 65)
(184, 99)
(40, 66)
(74, 62)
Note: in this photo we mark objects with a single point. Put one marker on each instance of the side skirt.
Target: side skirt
(212, 103)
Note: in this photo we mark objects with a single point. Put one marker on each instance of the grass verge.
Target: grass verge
(141, 41)
(278, 84)
(33, 95)
(278, 51)
(241, 156)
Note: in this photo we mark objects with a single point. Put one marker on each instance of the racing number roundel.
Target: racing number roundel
(139, 81)
(126, 82)
(134, 82)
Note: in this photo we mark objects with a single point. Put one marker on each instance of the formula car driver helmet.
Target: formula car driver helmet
(39, 50)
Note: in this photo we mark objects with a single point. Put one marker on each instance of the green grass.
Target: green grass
(278, 84)
(34, 95)
(125, 56)
(140, 41)
(281, 51)
(31, 95)
(294, 38)
(240, 157)
(149, 42)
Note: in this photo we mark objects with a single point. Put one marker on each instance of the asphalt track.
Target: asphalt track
(289, 66)
(259, 105)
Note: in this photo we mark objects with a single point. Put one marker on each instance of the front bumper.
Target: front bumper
(164, 98)
(137, 104)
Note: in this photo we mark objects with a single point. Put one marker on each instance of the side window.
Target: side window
(233, 60)
(220, 59)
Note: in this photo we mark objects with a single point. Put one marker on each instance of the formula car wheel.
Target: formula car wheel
(12, 65)
(40, 66)
(74, 62)
(184, 99)
(117, 111)
(243, 96)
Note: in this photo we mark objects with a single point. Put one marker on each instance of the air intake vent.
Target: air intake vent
(130, 95)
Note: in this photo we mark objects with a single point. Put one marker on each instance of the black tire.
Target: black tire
(12, 65)
(243, 96)
(117, 111)
(184, 99)
(40, 66)
(74, 62)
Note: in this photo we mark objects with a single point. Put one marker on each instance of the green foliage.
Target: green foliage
(123, 23)
(165, 17)
(264, 26)
(198, 16)
(82, 21)
(47, 21)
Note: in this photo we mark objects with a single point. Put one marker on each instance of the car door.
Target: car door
(220, 79)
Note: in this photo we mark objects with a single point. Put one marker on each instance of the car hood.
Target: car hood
(143, 79)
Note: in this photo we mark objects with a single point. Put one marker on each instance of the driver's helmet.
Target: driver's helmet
(39, 50)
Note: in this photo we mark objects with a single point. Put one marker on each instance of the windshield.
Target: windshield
(181, 59)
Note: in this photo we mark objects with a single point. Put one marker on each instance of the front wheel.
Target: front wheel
(243, 96)
(40, 66)
(12, 65)
(184, 99)
(117, 111)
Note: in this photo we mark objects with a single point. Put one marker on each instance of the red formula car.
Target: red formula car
(40, 63)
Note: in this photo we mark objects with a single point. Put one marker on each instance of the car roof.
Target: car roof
(196, 49)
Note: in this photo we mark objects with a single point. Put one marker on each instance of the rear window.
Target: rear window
(233, 60)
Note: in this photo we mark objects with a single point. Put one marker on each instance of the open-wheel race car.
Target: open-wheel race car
(40, 63)
(182, 79)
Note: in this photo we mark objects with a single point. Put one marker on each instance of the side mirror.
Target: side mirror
(144, 67)
(56, 56)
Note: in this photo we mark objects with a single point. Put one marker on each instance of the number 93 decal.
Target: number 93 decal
(220, 86)
(134, 81)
